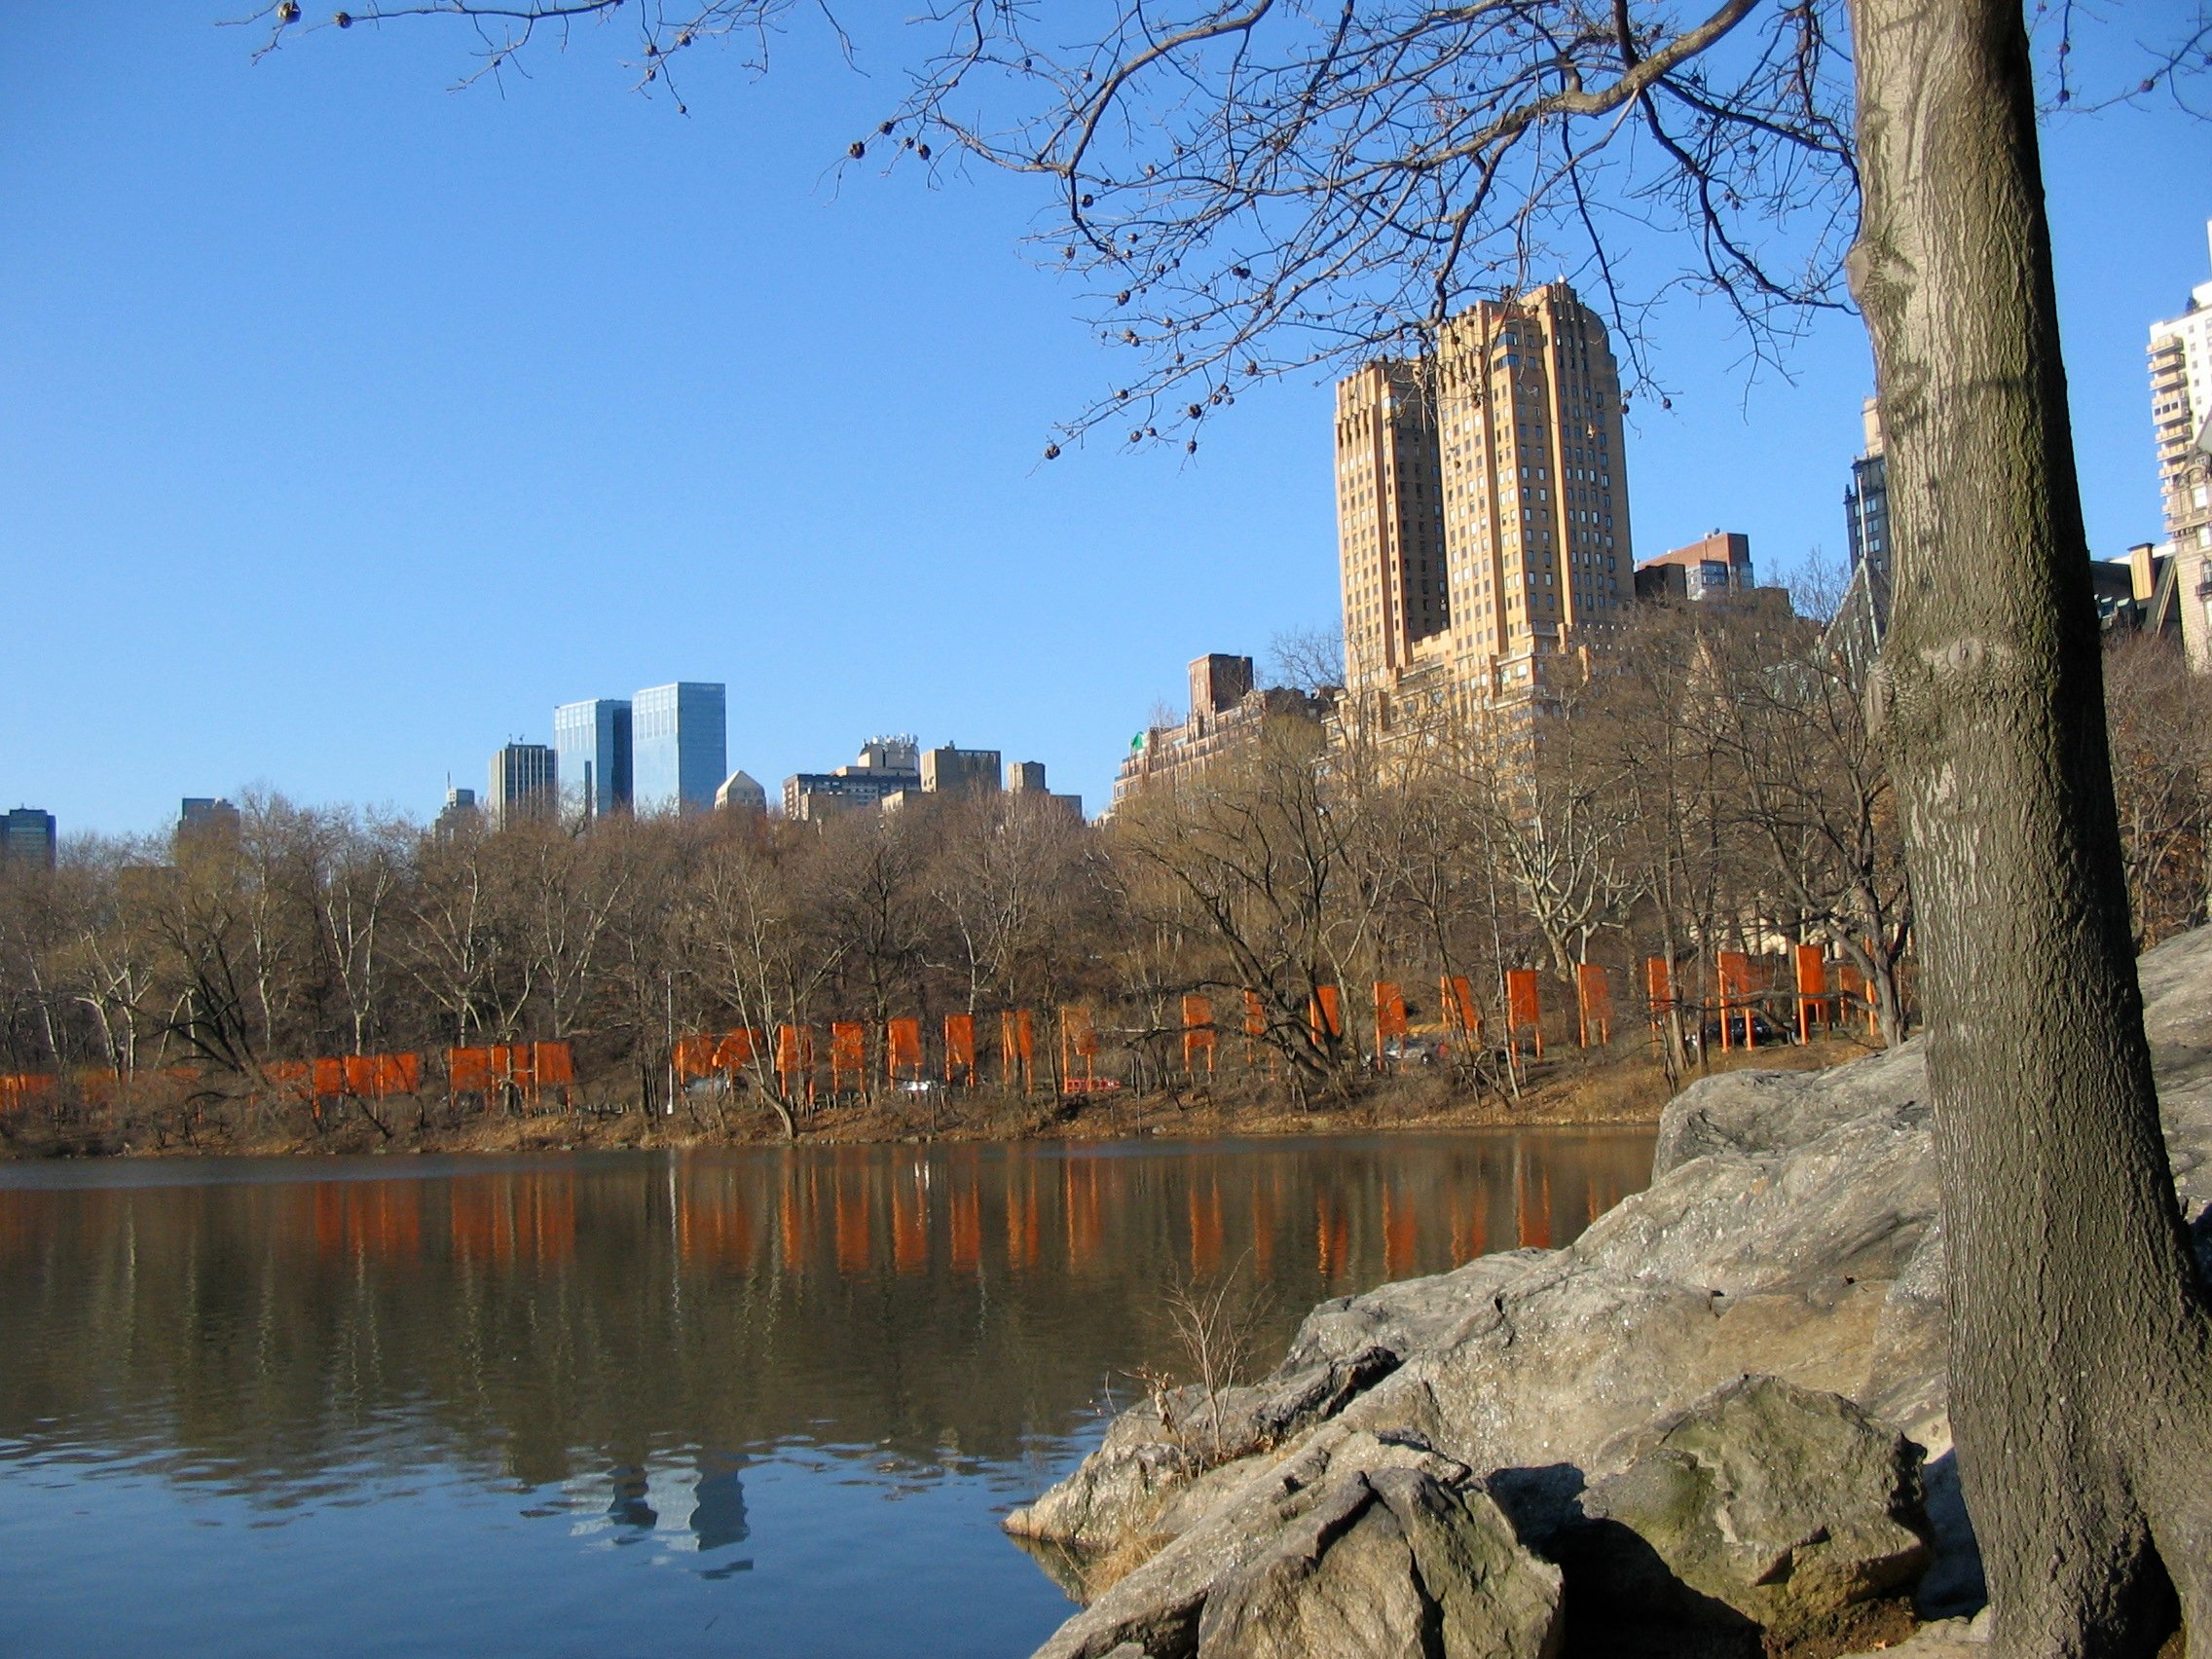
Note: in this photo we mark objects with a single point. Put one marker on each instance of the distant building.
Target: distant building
(27, 838)
(887, 766)
(591, 741)
(1482, 508)
(741, 791)
(2139, 594)
(206, 813)
(460, 813)
(947, 770)
(1866, 500)
(1862, 619)
(525, 781)
(1718, 564)
(1226, 716)
(2181, 415)
(1026, 777)
(679, 752)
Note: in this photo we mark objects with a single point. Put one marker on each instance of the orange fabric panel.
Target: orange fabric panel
(1389, 1011)
(1811, 971)
(1255, 1016)
(1593, 1001)
(329, 1079)
(1325, 1013)
(736, 1050)
(902, 1047)
(848, 1046)
(468, 1071)
(696, 1057)
(1735, 973)
(1459, 1011)
(398, 1074)
(1198, 1011)
(1523, 1010)
(361, 1075)
(1078, 1031)
(1595, 990)
(553, 1064)
(959, 1046)
(1658, 983)
(19, 1090)
(794, 1050)
(511, 1064)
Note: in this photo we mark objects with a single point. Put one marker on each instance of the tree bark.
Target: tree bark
(2080, 1347)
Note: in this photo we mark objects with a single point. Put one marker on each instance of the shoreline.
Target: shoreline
(1628, 1091)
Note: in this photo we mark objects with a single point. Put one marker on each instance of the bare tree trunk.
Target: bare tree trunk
(2081, 1347)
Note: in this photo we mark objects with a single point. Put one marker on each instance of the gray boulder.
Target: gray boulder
(1393, 1565)
(1151, 1457)
(1786, 1505)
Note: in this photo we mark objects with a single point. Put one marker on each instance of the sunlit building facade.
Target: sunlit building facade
(2181, 415)
(1482, 506)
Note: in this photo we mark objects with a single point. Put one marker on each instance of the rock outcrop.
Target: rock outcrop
(1787, 1505)
(1791, 1233)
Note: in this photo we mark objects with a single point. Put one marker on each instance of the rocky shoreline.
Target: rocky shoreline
(1716, 1424)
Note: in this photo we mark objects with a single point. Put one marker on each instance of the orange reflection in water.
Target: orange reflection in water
(368, 1218)
(1205, 1229)
(1079, 1205)
(1400, 1233)
(851, 1218)
(1022, 1244)
(909, 1220)
(1332, 1233)
(713, 1224)
(967, 1217)
(1263, 1230)
(508, 1219)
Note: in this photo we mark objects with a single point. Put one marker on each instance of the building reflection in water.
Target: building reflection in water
(549, 1321)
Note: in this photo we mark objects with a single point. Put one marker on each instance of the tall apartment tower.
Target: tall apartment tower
(1483, 500)
(592, 741)
(2181, 413)
(678, 747)
(1389, 519)
(524, 780)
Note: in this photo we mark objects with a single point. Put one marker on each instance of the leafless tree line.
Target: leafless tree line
(1702, 781)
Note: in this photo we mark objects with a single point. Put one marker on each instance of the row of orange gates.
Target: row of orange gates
(1825, 994)
(1823, 990)
(498, 1071)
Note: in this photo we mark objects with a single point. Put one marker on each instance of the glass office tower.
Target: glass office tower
(592, 739)
(678, 747)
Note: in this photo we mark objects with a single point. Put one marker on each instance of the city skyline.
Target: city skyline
(210, 481)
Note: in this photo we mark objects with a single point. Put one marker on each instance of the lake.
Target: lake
(760, 1402)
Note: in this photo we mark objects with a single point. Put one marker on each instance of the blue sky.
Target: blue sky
(349, 422)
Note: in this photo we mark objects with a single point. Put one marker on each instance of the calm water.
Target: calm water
(760, 1402)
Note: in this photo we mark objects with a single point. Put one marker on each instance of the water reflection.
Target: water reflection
(723, 1365)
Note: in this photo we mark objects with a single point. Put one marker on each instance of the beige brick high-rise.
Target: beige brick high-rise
(1503, 455)
(2180, 409)
(1389, 519)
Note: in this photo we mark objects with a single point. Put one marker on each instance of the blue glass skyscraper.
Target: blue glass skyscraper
(593, 741)
(678, 747)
